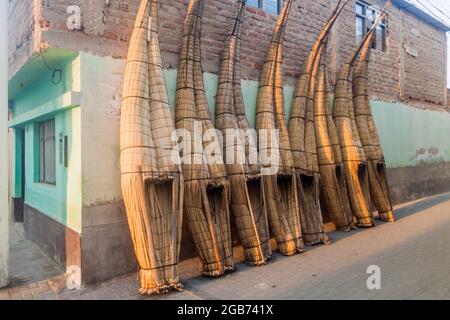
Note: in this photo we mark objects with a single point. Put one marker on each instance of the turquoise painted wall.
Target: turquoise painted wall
(43, 90)
(61, 201)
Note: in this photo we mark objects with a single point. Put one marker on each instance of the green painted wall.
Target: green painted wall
(61, 201)
(411, 136)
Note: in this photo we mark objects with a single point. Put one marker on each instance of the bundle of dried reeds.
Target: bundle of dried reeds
(355, 164)
(379, 189)
(354, 160)
(333, 185)
(247, 202)
(152, 184)
(207, 193)
(280, 187)
(302, 132)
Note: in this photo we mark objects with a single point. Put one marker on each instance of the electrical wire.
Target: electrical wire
(431, 12)
(438, 9)
(57, 73)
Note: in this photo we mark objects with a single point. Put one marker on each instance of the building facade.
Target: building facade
(66, 65)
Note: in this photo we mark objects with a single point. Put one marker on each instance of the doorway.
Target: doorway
(19, 201)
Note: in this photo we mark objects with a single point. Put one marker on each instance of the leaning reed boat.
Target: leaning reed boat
(333, 185)
(151, 180)
(379, 189)
(247, 202)
(207, 192)
(312, 157)
(354, 160)
(280, 186)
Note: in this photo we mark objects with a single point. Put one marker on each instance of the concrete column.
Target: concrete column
(4, 146)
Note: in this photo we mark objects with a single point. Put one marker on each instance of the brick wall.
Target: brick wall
(413, 69)
(425, 63)
(23, 32)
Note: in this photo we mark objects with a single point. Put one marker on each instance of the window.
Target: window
(271, 6)
(365, 18)
(47, 152)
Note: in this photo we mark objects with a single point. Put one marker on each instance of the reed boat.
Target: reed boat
(318, 178)
(353, 156)
(151, 179)
(247, 201)
(280, 186)
(207, 190)
(376, 165)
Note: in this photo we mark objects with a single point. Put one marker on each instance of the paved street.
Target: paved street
(413, 254)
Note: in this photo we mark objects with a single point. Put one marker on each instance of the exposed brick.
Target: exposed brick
(421, 81)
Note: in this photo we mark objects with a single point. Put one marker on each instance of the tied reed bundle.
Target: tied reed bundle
(207, 191)
(280, 186)
(378, 183)
(354, 160)
(152, 186)
(247, 202)
(310, 142)
(334, 188)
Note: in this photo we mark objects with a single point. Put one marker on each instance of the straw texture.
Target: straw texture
(315, 145)
(379, 189)
(316, 149)
(280, 186)
(152, 184)
(207, 191)
(247, 202)
(334, 188)
(354, 160)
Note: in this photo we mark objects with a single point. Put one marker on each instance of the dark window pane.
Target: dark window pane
(47, 152)
(373, 16)
(41, 154)
(380, 39)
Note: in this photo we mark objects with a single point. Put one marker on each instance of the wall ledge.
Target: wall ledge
(68, 100)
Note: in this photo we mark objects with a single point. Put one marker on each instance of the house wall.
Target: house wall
(408, 106)
(61, 201)
(57, 205)
(401, 128)
(416, 51)
(418, 165)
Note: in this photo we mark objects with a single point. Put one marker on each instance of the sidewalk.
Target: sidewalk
(413, 254)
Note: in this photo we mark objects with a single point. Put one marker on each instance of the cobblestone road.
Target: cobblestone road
(413, 254)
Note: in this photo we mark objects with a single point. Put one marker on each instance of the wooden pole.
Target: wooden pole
(4, 145)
